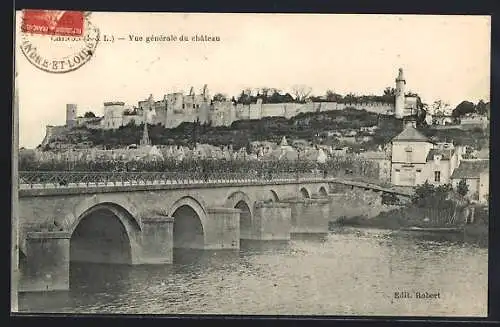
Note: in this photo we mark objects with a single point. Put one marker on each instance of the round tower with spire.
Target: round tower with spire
(399, 106)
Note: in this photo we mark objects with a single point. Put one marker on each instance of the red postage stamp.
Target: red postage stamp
(53, 22)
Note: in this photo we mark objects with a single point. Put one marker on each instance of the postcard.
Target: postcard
(251, 164)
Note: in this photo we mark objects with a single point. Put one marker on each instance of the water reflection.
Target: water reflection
(247, 247)
(203, 258)
(350, 272)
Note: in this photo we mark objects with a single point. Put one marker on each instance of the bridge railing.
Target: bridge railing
(43, 179)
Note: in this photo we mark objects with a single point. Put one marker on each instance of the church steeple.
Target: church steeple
(145, 135)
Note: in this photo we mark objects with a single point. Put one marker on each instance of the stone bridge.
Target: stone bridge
(145, 224)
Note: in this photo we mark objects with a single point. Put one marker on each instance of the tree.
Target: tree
(245, 97)
(390, 91)
(332, 96)
(421, 114)
(287, 98)
(463, 108)
(219, 97)
(248, 147)
(440, 107)
(89, 114)
(275, 97)
(265, 92)
(427, 195)
(462, 188)
(481, 108)
(301, 92)
(350, 97)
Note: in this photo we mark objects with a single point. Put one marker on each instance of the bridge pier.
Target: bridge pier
(223, 231)
(271, 222)
(157, 240)
(47, 264)
(309, 216)
(335, 210)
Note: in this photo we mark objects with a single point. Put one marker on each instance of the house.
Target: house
(440, 119)
(382, 159)
(476, 173)
(416, 159)
(409, 156)
(441, 161)
(472, 121)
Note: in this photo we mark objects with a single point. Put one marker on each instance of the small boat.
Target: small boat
(434, 229)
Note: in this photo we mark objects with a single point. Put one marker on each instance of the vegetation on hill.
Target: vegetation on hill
(476, 138)
(314, 127)
(467, 107)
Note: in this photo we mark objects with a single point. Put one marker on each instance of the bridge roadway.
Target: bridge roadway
(142, 218)
(156, 179)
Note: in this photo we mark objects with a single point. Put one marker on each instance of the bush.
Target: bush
(390, 199)
(462, 188)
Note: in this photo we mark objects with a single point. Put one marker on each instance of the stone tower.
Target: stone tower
(399, 106)
(70, 115)
(145, 141)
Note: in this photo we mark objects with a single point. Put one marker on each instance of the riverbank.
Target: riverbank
(406, 217)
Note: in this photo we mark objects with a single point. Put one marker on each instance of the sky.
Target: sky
(443, 57)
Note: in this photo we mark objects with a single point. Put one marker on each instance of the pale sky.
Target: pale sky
(443, 57)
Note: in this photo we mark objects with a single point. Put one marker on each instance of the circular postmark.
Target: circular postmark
(59, 53)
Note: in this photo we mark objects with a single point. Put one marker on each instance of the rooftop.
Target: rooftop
(446, 154)
(470, 169)
(410, 133)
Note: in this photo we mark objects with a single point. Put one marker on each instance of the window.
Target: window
(437, 176)
(183, 106)
(408, 156)
(419, 170)
(194, 106)
(409, 152)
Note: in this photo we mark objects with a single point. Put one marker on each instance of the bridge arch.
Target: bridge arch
(71, 220)
(304, 193)
(190, 221)
(234, 198)
(240, 200)
(105, 233)
(273, 196)
(322, 191)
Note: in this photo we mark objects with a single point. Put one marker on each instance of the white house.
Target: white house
(415, 159)
(476, 173)
(409, 153)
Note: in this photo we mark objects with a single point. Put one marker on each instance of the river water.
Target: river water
(350, 272)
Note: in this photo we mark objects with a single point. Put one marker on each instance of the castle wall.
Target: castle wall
(222, 113)
(113, 116)
(50, 131)
(137, 119)
(71, 113)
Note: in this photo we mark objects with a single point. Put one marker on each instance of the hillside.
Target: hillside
(318, 127)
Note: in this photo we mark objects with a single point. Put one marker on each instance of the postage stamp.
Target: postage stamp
(58, 41)
(217, 164)
(53, 22)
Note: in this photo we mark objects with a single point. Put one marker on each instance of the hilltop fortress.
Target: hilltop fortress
(176, 108)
